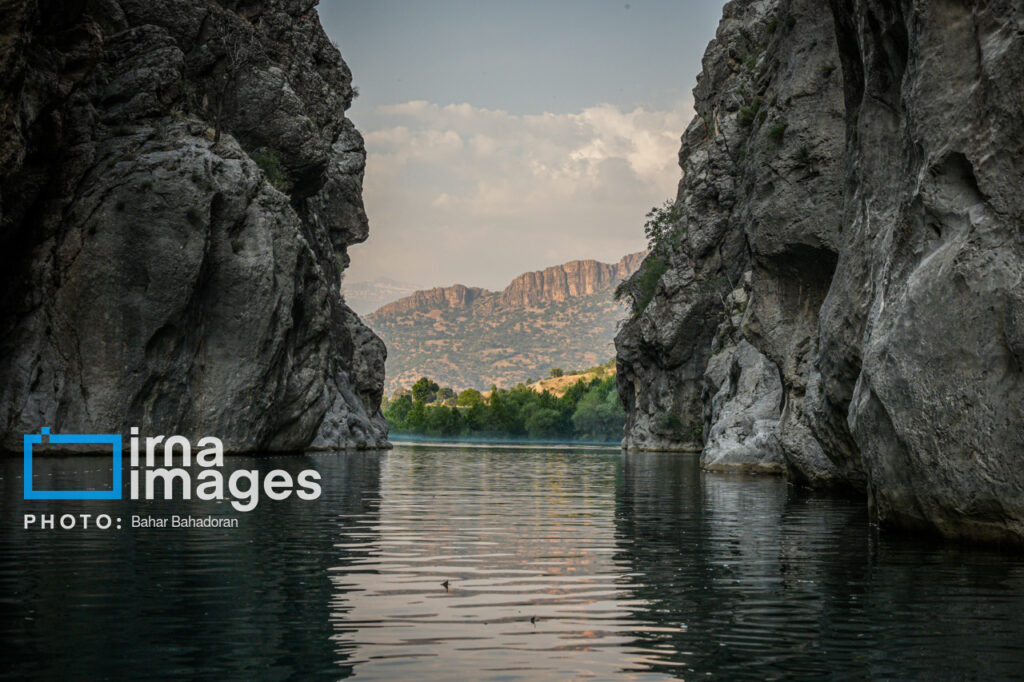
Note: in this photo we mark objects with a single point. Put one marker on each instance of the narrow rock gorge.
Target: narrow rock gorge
(844, 300)
(179, 187)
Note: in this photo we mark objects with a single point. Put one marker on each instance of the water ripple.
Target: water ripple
(558, 564)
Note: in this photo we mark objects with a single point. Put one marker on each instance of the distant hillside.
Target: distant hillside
(365, 297)
(467, 337)
(557, 386)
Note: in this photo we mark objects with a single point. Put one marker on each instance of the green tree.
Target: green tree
(398, 411)
(589, 410)
(470, 397)
(557, 372)
(543, 422)
(442, 421)
(663, 227)
(424, 391)
(474, 421)
(599, 414)
(573, 394)
(665, 230)
(499, 419)
(416, 421)
(454, 426)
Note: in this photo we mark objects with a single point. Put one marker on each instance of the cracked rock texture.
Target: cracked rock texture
(922, 347)
(742, 398)
(178, 190)
(863, 165)
(663, 352)
(760, 200)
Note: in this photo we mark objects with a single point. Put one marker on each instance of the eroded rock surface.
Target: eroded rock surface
(664, 350)
(864, 164)
(921, 359)
(762, 194)
(742, 419)
(178, 190)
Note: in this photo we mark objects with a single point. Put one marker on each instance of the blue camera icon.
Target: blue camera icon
(113, 440)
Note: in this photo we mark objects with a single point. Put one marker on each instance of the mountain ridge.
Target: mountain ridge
(571, 279)
(470, 337)
(454, 296)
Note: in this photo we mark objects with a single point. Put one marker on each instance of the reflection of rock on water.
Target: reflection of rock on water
(203, 601)
(735, 558)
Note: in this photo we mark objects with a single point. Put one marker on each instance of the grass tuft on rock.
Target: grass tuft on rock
(272, 168)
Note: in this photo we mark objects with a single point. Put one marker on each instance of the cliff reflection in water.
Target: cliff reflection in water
(253, 602)
(561, 562)
(764, 581)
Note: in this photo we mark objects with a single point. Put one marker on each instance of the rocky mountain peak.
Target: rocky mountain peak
(467, 337)
(568, 280)
(455, 296)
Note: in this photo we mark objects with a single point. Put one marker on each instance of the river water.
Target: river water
(561, 563)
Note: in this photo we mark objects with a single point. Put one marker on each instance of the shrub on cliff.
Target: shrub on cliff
(663, 227)
(664, 230)
(272, 167)
(641, 286)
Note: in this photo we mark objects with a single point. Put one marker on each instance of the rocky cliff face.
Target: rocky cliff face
(569, 280)
(922, 343)
(758, 203)
(455, 296)
(179, 188)
(851, 173)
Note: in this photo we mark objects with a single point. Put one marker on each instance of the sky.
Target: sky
(504, 137)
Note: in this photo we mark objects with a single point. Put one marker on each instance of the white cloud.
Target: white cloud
(461, 193)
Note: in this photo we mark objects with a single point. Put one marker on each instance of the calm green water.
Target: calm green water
(634, 566)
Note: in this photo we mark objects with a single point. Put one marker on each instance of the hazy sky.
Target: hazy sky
(510, 136)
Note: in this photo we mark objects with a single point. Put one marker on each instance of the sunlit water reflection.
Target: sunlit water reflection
(560, 563)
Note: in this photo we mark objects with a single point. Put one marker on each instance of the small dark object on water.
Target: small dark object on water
(445, 584)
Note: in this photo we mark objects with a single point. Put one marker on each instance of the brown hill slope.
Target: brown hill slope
(558, 386)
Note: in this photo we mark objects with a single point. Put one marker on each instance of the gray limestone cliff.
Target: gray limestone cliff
(852, 226)
(759, 204)
(178, 190)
